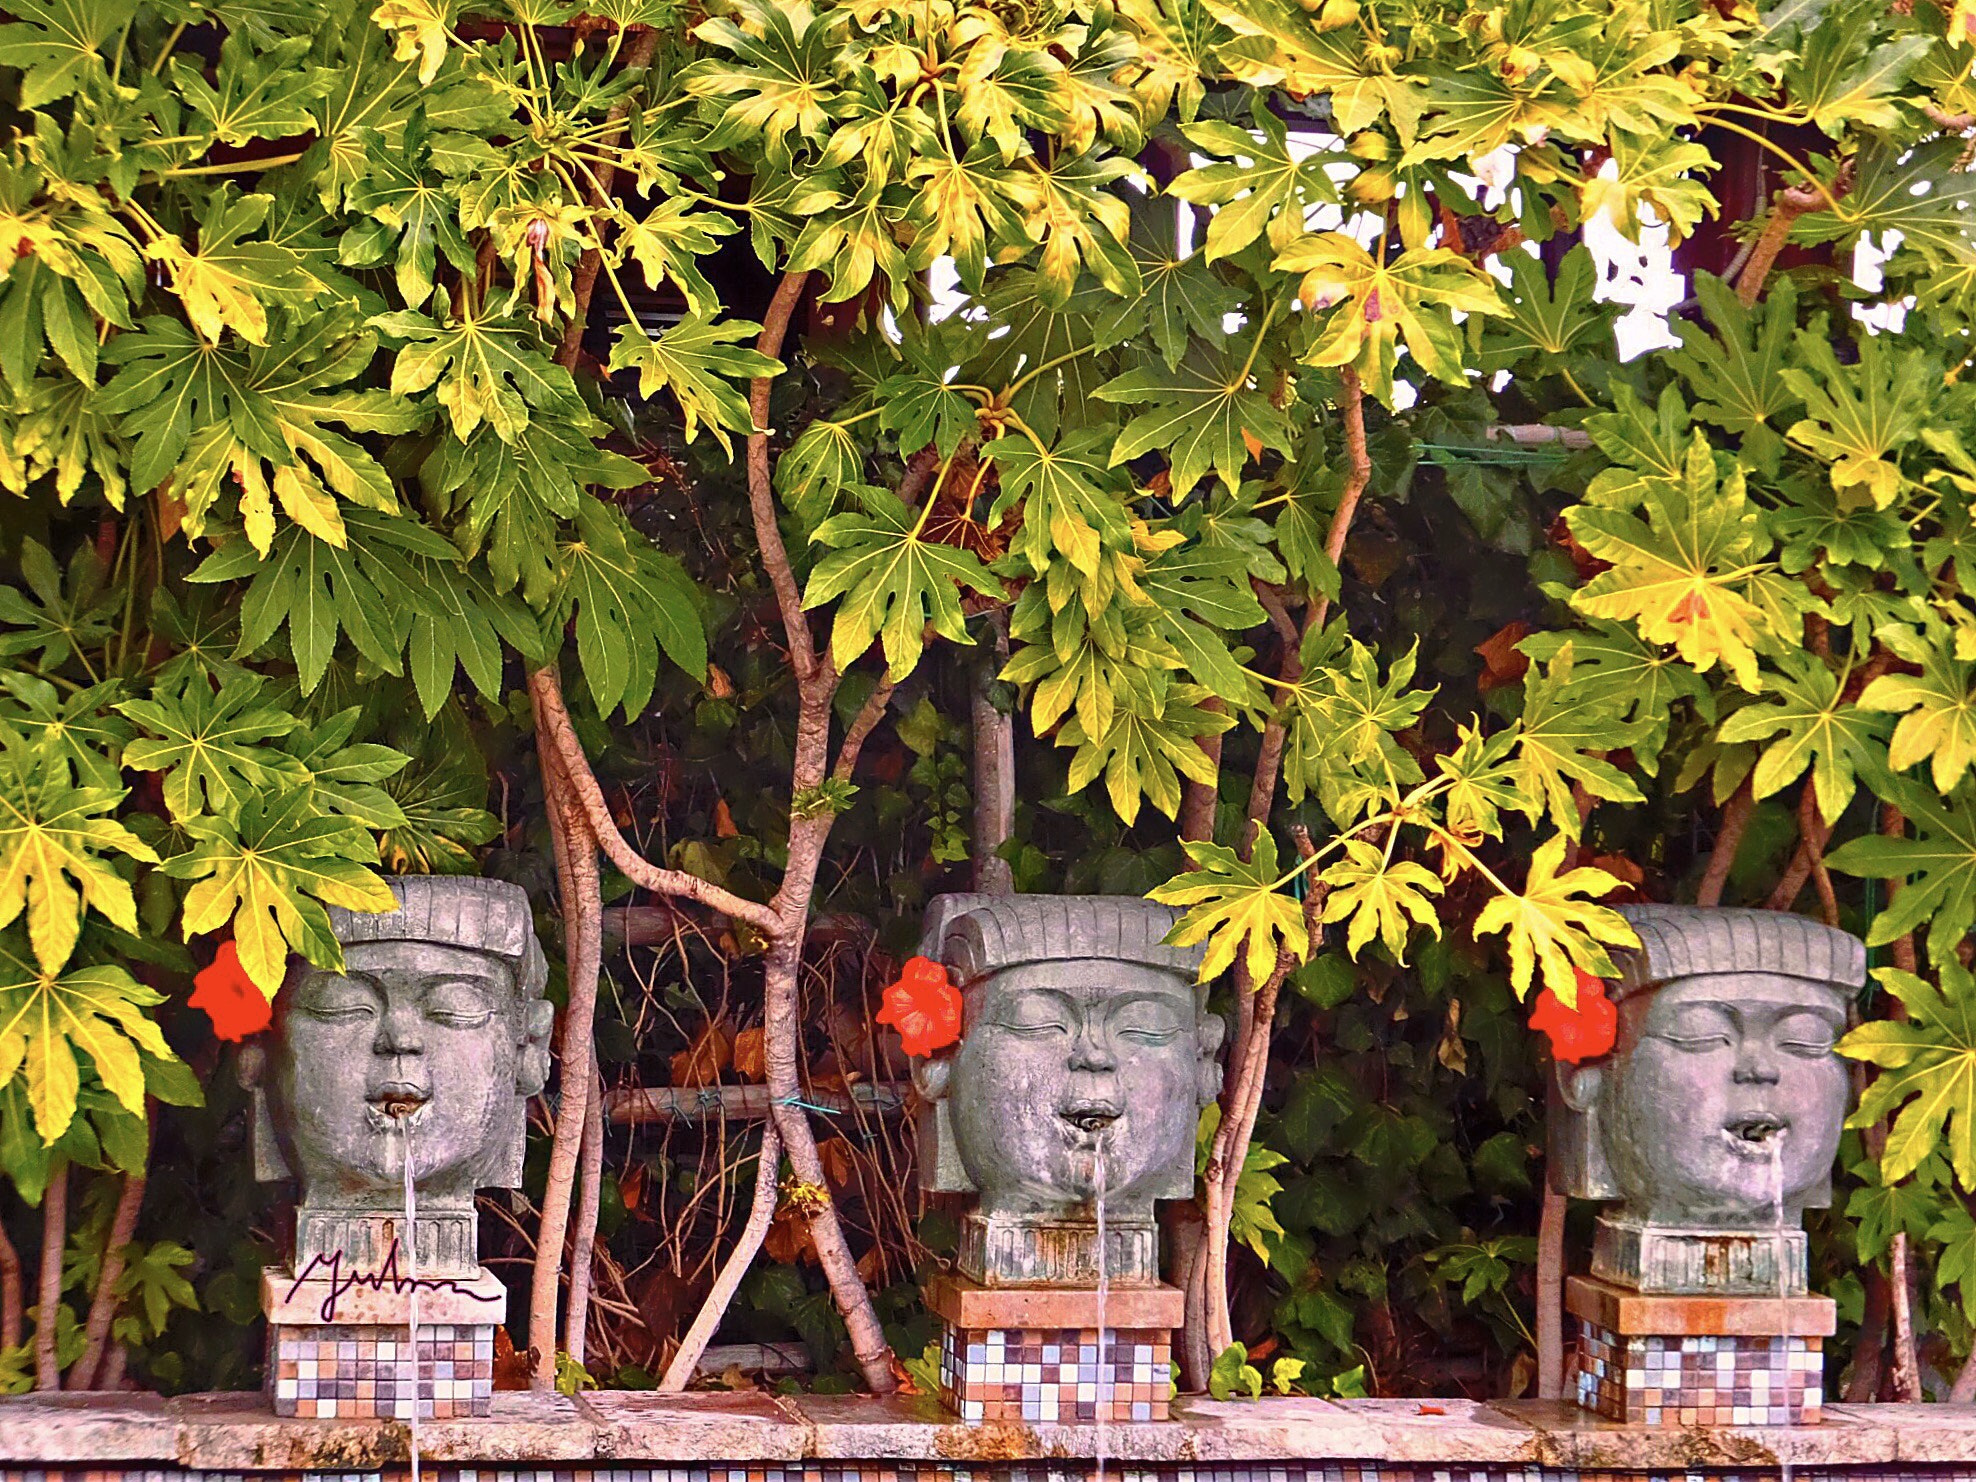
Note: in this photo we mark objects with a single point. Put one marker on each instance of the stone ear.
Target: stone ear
(1207, 1069)
(532, 1066)
(1579, 1085)
(931, 1077)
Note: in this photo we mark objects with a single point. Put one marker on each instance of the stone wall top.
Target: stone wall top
(236, 1432)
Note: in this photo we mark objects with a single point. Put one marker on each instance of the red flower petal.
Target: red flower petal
(923, 1006)
(236, 1007)
(1584, 1032)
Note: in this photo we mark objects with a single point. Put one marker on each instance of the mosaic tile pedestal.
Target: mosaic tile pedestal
(1699, 1360)
(1039, 1354)
(341, 1348)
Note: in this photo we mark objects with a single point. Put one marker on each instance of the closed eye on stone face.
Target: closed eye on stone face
(1146, 1021)
(1034, 1014)
(459, 1002)
(1805, 1034)
(337, 999)
(1700, 1028)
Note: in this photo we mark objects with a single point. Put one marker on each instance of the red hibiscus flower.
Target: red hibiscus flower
(924, 1007)
(229, 997)
(1584, 1032)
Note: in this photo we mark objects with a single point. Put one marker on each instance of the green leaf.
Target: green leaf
(256, 94)
(488, 368)
(268, 877)
(1238, 908)
(892, 581)
(1737, 374)
(1263, 187)
(1846, 77)
(1278, 45)
(208, 745)
(343, 776)
(1860, 414)
(630, 601)
(1544, 321)
(1938, 867)
(1378, 895)
(1071, 503)
(46, 1018)
(1821, 730)
(72, 617)
(1566, 728)
(411, 210)
(1937, 710)
(58, 45)
(1556, 925)
(1693, 573)
(1143, 753)
(1611, 670)
(1196, 413)
(695, 360)
(1927, 1072)
(782, 79)
(54, 845)
(665, 242)
(228, 283)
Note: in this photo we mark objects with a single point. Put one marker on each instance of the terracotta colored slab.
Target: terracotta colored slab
(1627, 1312)
(290, 1303)
(968, 1304)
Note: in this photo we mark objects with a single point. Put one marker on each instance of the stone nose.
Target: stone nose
(1092, 1052)
(1756, 1064)
(400, 1031)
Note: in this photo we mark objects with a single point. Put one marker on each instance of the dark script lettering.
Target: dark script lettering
(386, 1278)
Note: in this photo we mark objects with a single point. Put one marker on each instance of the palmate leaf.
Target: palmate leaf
(255, 94)
(1737, 373)
(1278, 43)
(825, 457)
(1821, 730)
(782, 78)
(1937, 707)
(227, 283)
(1693, 573)
(1238, 908)
(1374, 305)
(413, 214)
(488, 368)
(268, 875)
(1648, 170)
(1177, 41)
(1563, 724)
(1202, 593)
(1052, 351)
(81, 726)
(1144, 753)
(1262, 187)
(665, 243)
(963, 208)
(1860, 414)
(1938, 865)
(58, 44)
(696, 360)
(1071, 502)
(1927, 1079)
(46, 1016)
(71, 613)
(630, 602)
(55, 846)
(1638, 683)
(891, 582)
(1915, 190)
(1379, 896)
(1196, 415)
(1083, 225)
(62, 428)
(1847, 77)
(342, 776)
(1544, 321)
(1556, 926)
(855, 241)
(209, 744)
(1181, 294)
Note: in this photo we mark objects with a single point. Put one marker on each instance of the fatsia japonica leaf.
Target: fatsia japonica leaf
(1937, 707)
(1847, 77)
(1815, 726)
(1938, 865)
(1182, 294)
(210, 744)
(1918, 192)
(1556, 926)
(697, 361)
(1144, 752)
(418, 32)
(1196, 414)
(81, 726)
(1278, 43)
(1544, 321)
(1635, 685)
(1263, 186)
(413, 214)
(1737, 373)
(1069, 498)
(780, 77)
(342, 775)
(256, 93)
(228, 282)
(1078, 212)
(268, 874)
(71, 612)
(58, 44)
(1238, 907)
(1694, 572)
(1860, 414)
(1370, 306)
(1927, 1079)
(56, 847)
(890, 581)
(47, 1015)
(665, 243)
(1561, 739)
(1648, 170)
(488, 368)
(630, 602)
(1379, 896)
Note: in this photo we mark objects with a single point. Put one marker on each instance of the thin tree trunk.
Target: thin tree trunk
(1735, 818)
(1791, 203)
(13, 1316)
(1869, 1351)
(994, 774)
(1550, 1297)
(1907, 1364)
(54, 1239)
(103, 1308)
(589, 1200)
(761, 1212)
(583, 930)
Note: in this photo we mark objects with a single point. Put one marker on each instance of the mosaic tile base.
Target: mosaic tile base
(1056, 1375)
(1700, 1381)
(346, 1371)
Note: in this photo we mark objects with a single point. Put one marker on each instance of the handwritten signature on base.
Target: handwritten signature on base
(386, 1278)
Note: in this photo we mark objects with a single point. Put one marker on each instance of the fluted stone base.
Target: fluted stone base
(1023, 1250)
(1693, 1262)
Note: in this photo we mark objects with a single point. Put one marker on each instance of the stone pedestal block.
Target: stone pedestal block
(1689, 1361)
(1042, 1355)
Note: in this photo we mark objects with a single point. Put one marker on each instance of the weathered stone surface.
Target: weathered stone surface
(86, 1427)
(1917, 1433)
(237, 1432)
(741, 1426)
(1571, 1437)
(1447, 1431)
(919, 1428)
(1716, 1116)
(1242, 1430)
(1087, 1054)
(465, 1300)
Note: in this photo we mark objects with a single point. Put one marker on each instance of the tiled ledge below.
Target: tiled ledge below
(236, 1432)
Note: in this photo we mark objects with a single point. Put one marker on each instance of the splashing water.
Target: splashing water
(412, 1278)
(1104, 1390)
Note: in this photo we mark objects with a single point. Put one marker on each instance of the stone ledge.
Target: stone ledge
(236, 1432)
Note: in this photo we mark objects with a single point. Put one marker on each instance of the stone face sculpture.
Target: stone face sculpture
(1086, 1056)
(436, 1024)
(1722, 1094)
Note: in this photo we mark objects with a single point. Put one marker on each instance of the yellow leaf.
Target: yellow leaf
(1555, 926)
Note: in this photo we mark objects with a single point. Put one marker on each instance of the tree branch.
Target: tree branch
(589, 1201)
(761, 488)
(13, 1316)
(761, 1212)
(1550, 1296)
(552, 718)
(54, 1238)
(1735, 818)
(103, 1306)
(868, 716)
(1792, 202)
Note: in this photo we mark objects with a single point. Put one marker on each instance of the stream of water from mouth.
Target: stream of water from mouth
(1783, 1282)
(412, 1279)
(1104, 1385)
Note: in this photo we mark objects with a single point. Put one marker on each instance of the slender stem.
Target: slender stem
(103, 1306)
(761, 1211)
(589, 1201)
(158, 62)
(1728, 836)
(761, 490)
(13, 1316)
(54, 1238)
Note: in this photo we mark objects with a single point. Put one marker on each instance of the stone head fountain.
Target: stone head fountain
(1068, 1108)
(1710, 1126)
(426, 1045)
